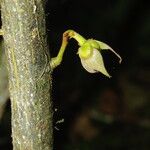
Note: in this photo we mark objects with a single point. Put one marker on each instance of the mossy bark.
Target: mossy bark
(23, 23)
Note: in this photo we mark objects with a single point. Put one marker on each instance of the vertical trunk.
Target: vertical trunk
(29, 81)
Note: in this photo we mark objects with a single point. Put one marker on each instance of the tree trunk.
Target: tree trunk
(26, 49)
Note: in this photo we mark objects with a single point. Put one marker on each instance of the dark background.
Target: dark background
(99, 113)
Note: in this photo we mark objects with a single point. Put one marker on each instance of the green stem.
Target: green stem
(80, 39)
(58, 59)
(66, 36)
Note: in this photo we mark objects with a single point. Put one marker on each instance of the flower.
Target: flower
(91, 58)
(89, 52)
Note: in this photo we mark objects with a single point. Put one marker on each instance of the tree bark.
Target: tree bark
(4, 94)
(23, 23)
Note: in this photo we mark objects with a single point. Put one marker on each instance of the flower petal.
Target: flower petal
(95, 63)
(104, 46)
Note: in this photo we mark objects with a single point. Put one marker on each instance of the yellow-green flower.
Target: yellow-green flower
(91, 58)
(89, 52)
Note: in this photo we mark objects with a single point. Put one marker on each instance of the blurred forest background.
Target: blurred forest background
(98, 112)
